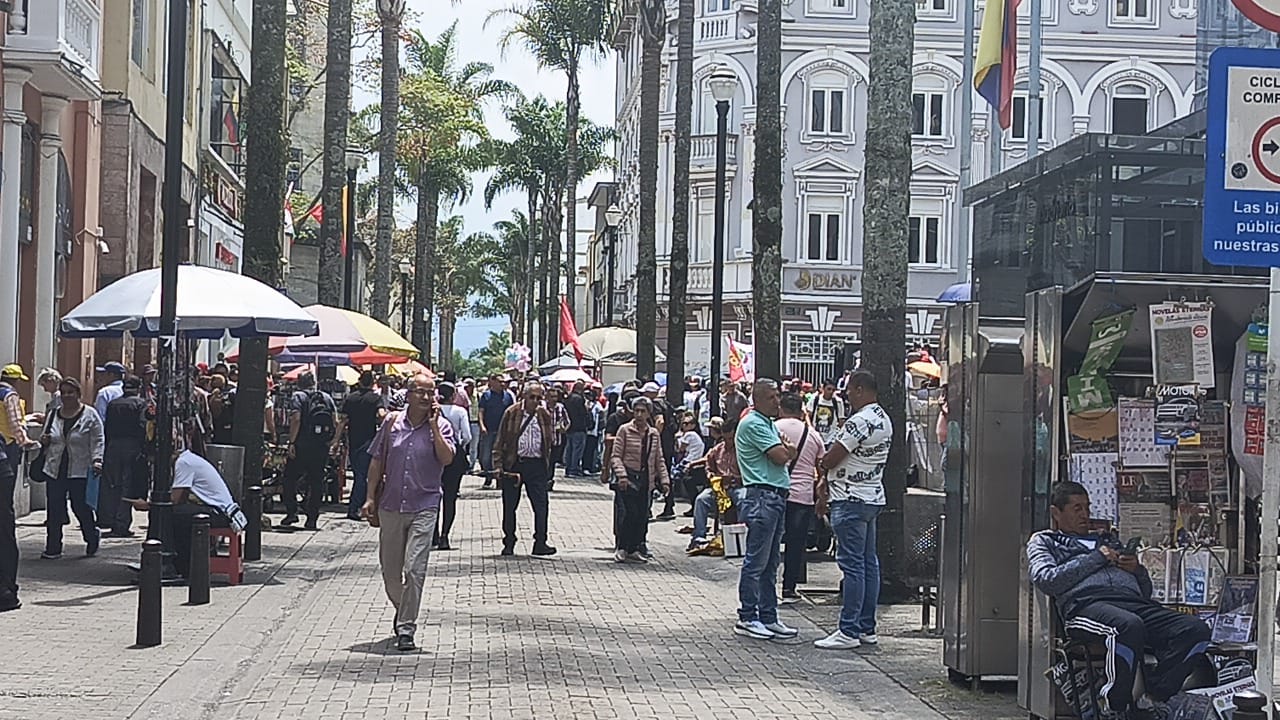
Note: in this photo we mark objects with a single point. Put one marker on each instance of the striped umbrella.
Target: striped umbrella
(345, 337)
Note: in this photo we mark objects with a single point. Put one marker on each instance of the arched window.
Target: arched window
(828, 107)
(1130, 108)
(930, 107)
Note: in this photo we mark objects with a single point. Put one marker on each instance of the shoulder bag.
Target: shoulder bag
(791, 467)
(35, 469)
(639, 479)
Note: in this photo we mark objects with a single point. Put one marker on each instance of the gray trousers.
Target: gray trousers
(404, 544)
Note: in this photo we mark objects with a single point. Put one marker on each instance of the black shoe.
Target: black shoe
(551, 485)
(508, 550)
(443, 544)
(404, 643)
(789, 597)
(355, 517)
(91, 547)
(544, 550)
(687, 513)
(289, 520)
(9, 602)
(488, 483)
(666, 515)
(311, 526)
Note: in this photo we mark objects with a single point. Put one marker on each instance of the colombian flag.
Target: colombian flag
(997, 59)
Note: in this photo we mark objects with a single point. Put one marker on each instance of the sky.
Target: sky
(478, 43)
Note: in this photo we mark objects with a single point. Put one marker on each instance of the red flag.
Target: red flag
(317, 213)
(568, 330)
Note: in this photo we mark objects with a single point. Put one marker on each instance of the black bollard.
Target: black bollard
(198, 573)
(1250, 705)
(149, 600)
(253, 532)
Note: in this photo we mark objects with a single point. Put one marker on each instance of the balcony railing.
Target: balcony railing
(713, 28)
(58, 32)
(702, 152)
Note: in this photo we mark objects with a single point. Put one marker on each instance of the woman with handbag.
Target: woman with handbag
(73, 445)
(636, 460)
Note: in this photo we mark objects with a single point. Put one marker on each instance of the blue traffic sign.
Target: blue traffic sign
(1242, 158)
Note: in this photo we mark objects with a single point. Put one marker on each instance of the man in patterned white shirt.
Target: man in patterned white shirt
(523, 452)
(853, 494)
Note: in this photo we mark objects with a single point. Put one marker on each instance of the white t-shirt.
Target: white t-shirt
(867, 435)
(461, 422)
(196, 474)
(826, 415)
(694, 447)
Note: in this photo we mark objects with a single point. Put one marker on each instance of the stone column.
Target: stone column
(47, 229)
(14, 81)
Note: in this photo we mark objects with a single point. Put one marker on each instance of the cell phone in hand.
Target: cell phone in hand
(1132, 547)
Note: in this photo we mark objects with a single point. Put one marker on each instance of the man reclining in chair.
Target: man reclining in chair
(1101, 591)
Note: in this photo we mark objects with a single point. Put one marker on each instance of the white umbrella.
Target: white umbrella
(565, 375)
(565, 361)
(210, 302)
(612, 343)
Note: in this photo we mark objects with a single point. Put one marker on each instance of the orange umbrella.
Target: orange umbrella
(927, 368)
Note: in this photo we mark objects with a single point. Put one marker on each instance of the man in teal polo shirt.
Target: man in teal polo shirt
(763, 456)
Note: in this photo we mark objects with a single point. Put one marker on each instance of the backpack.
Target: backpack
(318, 422)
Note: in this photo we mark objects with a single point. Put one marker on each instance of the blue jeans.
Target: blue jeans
(575, 443)
(764, 512)
(854, 525)
(359, 459)
(486, 452)
(703, 506)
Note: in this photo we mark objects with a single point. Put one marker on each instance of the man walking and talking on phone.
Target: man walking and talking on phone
(409, 455)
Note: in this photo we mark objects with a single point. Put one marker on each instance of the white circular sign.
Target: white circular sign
(1264, 13)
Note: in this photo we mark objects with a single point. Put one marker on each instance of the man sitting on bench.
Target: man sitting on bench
(1102, 591)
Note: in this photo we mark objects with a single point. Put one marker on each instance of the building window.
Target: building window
(1133, 12)
(933, 8)
(823, 228)
(704, 213)
(926, 240)
(1020, 128)
(1130, 110)
(928, 108)
(715, 6)
(830, 7)
(827, 111)
(140, 43)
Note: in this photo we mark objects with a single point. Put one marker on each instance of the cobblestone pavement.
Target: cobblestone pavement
(573, 636)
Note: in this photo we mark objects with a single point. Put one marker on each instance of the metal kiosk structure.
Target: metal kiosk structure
(1058, 324)
(979, 596)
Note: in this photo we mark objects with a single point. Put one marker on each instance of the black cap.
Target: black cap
(133, 382)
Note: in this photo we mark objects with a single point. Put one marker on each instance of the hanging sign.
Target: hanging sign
(1177, 415)
(1087, 390)
(1182, 343)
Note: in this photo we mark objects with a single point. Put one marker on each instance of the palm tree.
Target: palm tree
(506, 290)
(264, 203)
(444, 139)
(884, 262)
(337, 118)
(679, 262)
(653, 31)
(560, 34)
(534, 162)
(462, 272)
(391, 15)
(766, 215)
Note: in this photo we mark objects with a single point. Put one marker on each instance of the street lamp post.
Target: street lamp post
(355, 161)
(612, 217)
(406, 269)
(723, 84)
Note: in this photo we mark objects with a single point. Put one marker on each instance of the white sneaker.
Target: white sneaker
(837, 641)
(754, 629)
(871, 639)
(620, 556)
(636, 557)
(782, 631)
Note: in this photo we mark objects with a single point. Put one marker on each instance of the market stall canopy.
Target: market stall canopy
(566, 375)
(210, 303)
(357, 339)
(347, 374)
(612, 343)
(565, 361)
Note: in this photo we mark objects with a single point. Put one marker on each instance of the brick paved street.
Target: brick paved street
(574, 636)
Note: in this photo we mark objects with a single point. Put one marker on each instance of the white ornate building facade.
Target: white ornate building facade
(1122, 66)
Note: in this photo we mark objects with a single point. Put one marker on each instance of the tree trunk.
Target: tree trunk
(424, 286)
(448, 322)
(884, 262)
(572, 109)
(337, 118)
(391, 16)
(766, 217)
(653, 32)
(553, 221)
(530, 306)
(264, 202)
(678, 292)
